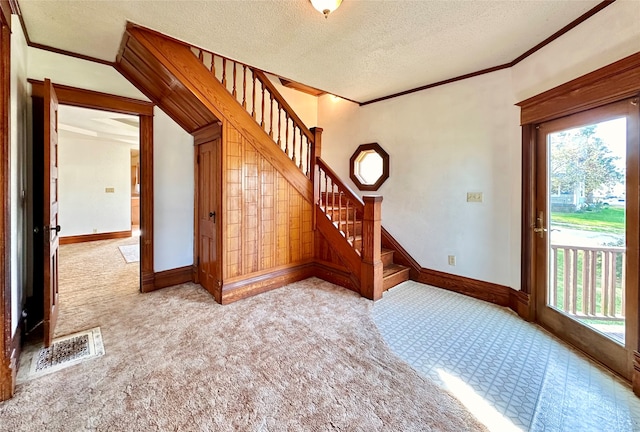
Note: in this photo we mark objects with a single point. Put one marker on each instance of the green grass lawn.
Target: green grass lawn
(609, 219)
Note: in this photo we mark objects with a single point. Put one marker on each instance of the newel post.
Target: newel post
(371, 277)
(316, 151)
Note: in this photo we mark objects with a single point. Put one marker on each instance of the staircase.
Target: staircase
(341, 208)
(197, 87)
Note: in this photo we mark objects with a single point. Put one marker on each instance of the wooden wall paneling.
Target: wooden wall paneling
(268, 219)
(250, 211)
(8, 363)
(282, 217)
(146, 203)
(233, 188)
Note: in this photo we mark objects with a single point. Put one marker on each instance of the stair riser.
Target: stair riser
(387, 258)
(395, 279)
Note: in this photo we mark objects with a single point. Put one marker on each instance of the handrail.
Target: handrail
(283, 103)
(334, 177)
(253, 90)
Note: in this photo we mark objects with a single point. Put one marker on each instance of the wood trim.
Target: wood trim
(5, 6)
(331, 273)
(501, 295)
(438, 83)
(7, 363)
(385, 166)
(95, 100)
(301, 87)
(573, 24)
(528, 206)
(617, 81)
(521, 303)
(487, 291)
(401, 256)
(582, 18)
(146, 204)
(172, 277)
(266, 281)
(635, 376)
(68, 53)
(207, 133)
(94, 237)
(284, 104)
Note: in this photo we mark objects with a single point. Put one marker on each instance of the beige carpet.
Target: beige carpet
(306, 357)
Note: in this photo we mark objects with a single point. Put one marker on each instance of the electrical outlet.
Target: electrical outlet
(95, 230)
(452, 260)
(110, 190)
(474, 197)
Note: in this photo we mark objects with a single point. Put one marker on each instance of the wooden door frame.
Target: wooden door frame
(82, 98)
(144, 110)
(8, 355)
(612, 83)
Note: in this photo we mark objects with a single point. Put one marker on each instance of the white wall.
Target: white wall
(86, 168)
(173, 185)
(443, 143)
(305, 105)
(608, 36)
(465, 137)
(18, 143)
(61, 69)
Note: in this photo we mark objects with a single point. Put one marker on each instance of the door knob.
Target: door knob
(213, 215)
(539, 227)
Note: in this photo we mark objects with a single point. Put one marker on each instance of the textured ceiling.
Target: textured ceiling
(365, 49)
(94, 125)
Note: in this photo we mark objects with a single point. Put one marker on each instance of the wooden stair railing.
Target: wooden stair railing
(262, 101)
(359, 224)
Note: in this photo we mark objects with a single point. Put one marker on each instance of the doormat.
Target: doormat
(131, 253)
(64, 352)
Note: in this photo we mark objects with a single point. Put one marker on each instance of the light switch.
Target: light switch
(474, 197)
(110, 190)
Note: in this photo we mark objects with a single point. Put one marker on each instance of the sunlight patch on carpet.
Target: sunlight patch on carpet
(130, 253)
(64, 352)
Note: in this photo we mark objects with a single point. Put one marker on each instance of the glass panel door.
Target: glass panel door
(587, 190)
(586, 288)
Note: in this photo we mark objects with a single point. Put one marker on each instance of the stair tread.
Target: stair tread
(392, 269)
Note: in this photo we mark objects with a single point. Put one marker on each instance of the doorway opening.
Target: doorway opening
(99, 212)
(128, 125)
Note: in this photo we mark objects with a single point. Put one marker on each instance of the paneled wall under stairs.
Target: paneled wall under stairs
(268, 223)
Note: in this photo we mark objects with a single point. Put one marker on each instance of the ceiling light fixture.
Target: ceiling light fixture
(326, 6)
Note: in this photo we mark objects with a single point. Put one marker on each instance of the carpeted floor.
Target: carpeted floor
(306, 357)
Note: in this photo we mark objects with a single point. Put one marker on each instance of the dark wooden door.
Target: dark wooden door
(208, 214)
(50, 214)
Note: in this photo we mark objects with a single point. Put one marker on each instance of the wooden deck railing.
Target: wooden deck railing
(260, 98)
(588, 281)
